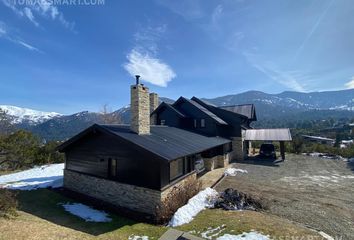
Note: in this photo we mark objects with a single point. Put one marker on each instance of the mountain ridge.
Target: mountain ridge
(288, 105)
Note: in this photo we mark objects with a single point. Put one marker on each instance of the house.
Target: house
(139, 167)
(206, 119)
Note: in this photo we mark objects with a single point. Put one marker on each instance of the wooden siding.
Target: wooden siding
(136, 166)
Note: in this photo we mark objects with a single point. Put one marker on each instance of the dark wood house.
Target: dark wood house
(207, 119)
(138, 166)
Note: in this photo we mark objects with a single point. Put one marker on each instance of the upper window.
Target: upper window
(195, 123)
(176, 168)
(202, 123)
(162, 122)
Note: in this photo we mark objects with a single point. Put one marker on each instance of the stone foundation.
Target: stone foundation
(219, 161)
(122, 195)
(210, 163)
(223, 160)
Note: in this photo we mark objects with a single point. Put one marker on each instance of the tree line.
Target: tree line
(20, 149)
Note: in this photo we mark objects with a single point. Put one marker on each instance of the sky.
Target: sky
(74, 55)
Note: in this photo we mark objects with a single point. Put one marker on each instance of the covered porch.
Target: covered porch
(280, 135)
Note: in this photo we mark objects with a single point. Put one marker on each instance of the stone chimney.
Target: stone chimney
(154, 103)
(140, 108)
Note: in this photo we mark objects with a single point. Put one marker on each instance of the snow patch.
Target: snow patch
(39, 177)
(233, 171)
(319, 180)
(133, 237)
(211, 233)
(86, 212)
(185, 214)
(253, 235)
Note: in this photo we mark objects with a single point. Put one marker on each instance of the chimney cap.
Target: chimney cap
(137, 79)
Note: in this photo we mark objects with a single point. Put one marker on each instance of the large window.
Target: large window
(176, 168)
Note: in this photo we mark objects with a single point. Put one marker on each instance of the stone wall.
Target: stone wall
(140, 109)
(122, 195)
(210, 163)
(180, 184)
(223, 160)
(135, 198)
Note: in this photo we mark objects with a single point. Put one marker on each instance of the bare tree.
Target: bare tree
(109, 117)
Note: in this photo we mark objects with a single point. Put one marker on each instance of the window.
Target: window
(202, 123)
(176, 169)
(195, 123)
(112, 168)
(162, 122)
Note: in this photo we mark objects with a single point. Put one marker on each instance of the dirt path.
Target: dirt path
(316, 192)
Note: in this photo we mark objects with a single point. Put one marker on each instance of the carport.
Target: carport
(272, 135)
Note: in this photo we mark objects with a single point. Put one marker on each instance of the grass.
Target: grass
(42, 217)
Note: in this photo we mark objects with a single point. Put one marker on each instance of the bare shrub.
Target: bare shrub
(176, 198)
(8, 203)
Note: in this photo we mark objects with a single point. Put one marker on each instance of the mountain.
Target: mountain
(28, 116)
(288, 104)
(273, 110)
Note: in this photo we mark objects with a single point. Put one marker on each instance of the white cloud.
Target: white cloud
(44, 8)
(150, 69)
(4, 33)
(289, 79)
(143, 60)
(2, 29)
(28, 13)
(26, 45)
(350, 84)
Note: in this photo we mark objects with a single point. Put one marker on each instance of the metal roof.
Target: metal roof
(318, 138)
(245, 110)
(276, 134)
(167, 142)
(203, 109)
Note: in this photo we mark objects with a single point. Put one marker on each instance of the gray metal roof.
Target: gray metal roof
(276, 134)
(203, 109)
(167, 142)
(245, 110)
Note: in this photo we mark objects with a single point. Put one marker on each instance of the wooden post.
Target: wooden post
(282, 150)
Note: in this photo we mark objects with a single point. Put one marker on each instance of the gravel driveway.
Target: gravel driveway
(312, 191)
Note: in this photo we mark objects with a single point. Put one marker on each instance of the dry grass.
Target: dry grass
(42, 218)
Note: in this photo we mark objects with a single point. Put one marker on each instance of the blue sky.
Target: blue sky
(70, 58)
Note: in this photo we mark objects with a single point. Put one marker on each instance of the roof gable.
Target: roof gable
(201, 108)
(163, 106)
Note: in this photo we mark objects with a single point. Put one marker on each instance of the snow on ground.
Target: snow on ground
(211, 233)
(253, 235)
(204, 199)
(86, 212)
(233, 171)
(133, 237)
(39, 177)
(320, 180)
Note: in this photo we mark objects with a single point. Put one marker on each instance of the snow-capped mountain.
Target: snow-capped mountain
(25, 115)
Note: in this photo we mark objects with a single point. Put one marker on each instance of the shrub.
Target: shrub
(176, 198)
(8, 203)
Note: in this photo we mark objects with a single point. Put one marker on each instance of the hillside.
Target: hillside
(273, 110)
